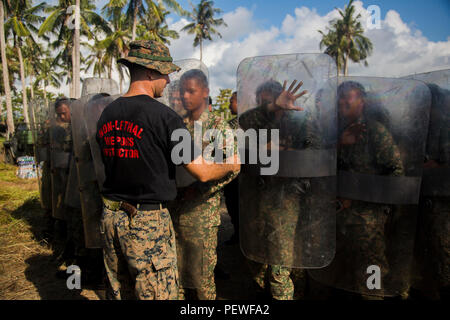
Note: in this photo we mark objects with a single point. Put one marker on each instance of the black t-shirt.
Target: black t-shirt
(134, 134)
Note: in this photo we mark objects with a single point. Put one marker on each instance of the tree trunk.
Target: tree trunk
(9, 113)
(76, 53)
(31, 83)
(45, 95)
(133, 35)
(24, 87)
(201, 49)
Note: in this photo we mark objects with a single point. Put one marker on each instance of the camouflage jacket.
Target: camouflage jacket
(298, 130)
(375, 153)
(198, 204)
(234, 124)
(61, 144)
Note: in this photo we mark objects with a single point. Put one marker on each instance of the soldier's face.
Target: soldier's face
(175, 102)
(350, 105)
(265, 98)
(63, 113)
(233, 104)
(193, 94)
(160, 81)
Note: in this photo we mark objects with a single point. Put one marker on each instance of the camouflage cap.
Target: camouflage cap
(150, 54)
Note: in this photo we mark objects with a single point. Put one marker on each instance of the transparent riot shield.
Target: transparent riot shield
(40, 124)
(60, 153)
(432, 252)
(99, 85)
(190, 245)
(287, 185)
(383, 125)
(172, 98)
(91, 113)
(89, 190)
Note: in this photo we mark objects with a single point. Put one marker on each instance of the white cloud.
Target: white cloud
(399, 49)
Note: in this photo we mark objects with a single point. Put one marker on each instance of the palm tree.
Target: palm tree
(137, 11)
(116, 43)
(154, 26)
(21, 23)
(6, 84)
(345, 39)
(89, 24)
(96, 59)
(47, 75)
(203, 23)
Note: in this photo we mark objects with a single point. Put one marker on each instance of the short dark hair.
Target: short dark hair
(60, 101)
(346, 86)
(270, 86)
(136, 69)
(100, 95)
(197, 74)
(210, 100)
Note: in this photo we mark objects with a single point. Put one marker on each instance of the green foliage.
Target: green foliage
(203, 23)
(345, 40)
(222, 104)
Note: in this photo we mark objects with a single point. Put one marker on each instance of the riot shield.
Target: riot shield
(383, 126)
(91, 113)
(99, 85)
(89, 190)
(287, 184)
(432, 264)
(39, 124)
(171, 97)
(189, 243)
(60, 154)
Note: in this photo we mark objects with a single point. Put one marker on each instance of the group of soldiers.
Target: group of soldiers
(363, 179)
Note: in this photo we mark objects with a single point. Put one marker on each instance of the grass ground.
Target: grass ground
(27, 264)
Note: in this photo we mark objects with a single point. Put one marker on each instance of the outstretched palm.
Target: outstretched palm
(287, 98)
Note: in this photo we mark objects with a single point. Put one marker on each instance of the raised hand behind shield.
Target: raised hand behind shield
(287, 98)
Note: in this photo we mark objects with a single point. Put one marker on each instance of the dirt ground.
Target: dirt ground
(28, 265)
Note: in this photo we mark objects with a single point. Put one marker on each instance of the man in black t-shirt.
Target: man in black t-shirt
(135, 137)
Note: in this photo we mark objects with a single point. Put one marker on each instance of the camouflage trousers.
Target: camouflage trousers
(45, 187)
(281, 284)
(197, 257)
(433, 244)
(59, 183)
(139, 254)
(75, 232)
(361, 243)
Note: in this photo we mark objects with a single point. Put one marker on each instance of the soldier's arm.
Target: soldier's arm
(258, 118)
(218, 170)
(387, 152)
(205, 171)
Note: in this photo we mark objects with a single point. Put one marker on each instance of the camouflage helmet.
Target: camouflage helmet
(150, 54)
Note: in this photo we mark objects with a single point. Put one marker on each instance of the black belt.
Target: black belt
(148, 206)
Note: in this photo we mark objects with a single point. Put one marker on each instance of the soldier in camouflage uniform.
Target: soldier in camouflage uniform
(45, 186)
(231, 190)
(287, 197)
(433, 241)
(61, 147)
(140, 251)
(196, 209)
(361, 225)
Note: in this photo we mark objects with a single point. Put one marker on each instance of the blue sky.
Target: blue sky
(414, 36)
(431, 17)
